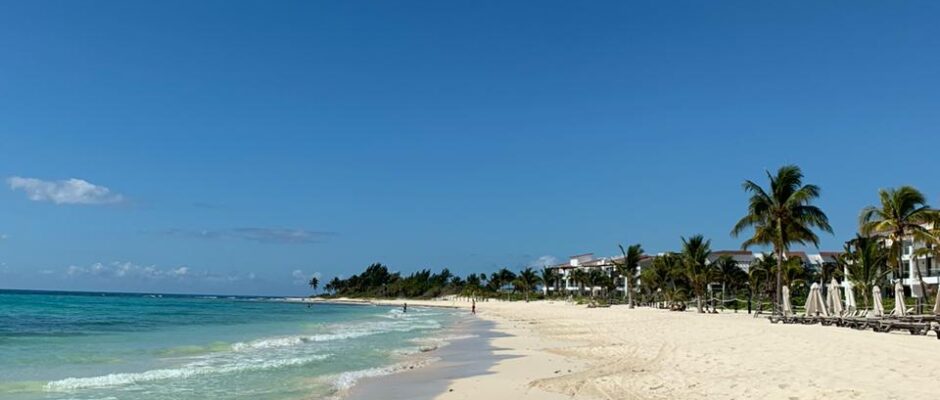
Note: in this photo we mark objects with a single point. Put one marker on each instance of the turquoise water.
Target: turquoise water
(130, 346)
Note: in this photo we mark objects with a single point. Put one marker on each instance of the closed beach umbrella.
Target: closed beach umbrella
(878, 309)
(835, 298)
(900, 309)
(821, 304)
(814, 302)
(850, 297)
(936, 305)
(811, 308)
(787, 307)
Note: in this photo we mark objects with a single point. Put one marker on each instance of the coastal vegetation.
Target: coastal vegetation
(778, 216)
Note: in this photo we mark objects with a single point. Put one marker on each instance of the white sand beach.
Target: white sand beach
(618, 353)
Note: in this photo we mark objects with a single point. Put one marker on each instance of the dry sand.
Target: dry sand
(618, 353)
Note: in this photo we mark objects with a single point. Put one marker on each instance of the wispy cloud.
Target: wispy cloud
(69, 191)
(260, 235)
(131, 271)
(4, 236)
(545, 260)
(302, 278)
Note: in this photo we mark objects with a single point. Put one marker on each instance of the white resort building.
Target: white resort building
(567, 283)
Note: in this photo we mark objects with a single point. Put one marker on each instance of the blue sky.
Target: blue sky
(243, 143)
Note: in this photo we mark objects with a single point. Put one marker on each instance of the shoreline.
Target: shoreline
(466, 351)
(499, 362)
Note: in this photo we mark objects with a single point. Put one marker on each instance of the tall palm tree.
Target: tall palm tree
(903, 213)
(865, 260)
(931, 250)
(794, 274)
(335, 284)
(314, 282)
(495, 283)
(595, 278)
(506, 277)
(695, 252)
(677, 284)
(549, 278)
(528, 278)
(580, 277)
(781, 216)
(627, 269)
(829, 270)
(730, 275)
(759, 278)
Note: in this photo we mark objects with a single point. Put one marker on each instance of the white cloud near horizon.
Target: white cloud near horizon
(69, 191)
(303, 278)
(129, 270)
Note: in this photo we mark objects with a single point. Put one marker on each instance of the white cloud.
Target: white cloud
(4, 236)
(303, 278)
(545, 260)
(299, 277)
(69, 191)
(128, 270)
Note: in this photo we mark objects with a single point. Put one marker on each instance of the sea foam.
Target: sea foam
(186, 371)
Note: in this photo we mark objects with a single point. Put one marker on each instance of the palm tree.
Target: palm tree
(930, 250)
(730, 275)
(528, 278)
(695, 252)
(760, 274)
(829, 270)
(627, 269)
(904, 212)
(866, 261)
(314, 282)
(495, 283)
(506, 277)
(580, 278)
(794, 274)
(335, 285)
(549, 278)
(595, 278)
(782, 216)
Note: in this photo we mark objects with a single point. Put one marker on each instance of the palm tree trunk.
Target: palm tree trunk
(628, 286)
(779, 292)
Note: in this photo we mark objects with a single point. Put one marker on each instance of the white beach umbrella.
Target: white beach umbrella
(900, 309)
(811, 308)
(814, 302)
(850, 297)
(936, 305)
(835, 298)
(878, 309)
(787, 307)
(820, 302)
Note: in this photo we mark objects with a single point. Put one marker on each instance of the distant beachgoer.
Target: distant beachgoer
(473, 307)
(404, 308)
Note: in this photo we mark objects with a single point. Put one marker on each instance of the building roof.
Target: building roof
(741, 256)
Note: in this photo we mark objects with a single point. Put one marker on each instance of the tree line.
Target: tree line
(778, 216)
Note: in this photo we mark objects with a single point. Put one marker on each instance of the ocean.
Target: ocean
(65, 345)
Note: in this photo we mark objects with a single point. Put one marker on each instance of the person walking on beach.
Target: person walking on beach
(473, 307)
